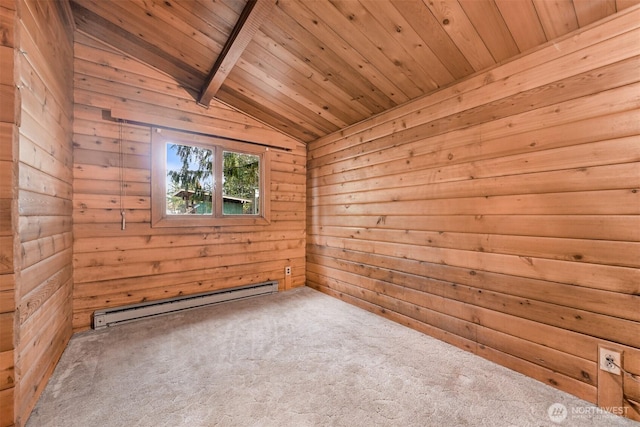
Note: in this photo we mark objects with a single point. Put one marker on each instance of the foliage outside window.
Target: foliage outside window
(240, 183)
(199, 180)
(190, 180)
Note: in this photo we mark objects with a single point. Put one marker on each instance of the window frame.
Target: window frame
(159, 218)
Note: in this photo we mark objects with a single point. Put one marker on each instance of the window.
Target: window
(200, 180)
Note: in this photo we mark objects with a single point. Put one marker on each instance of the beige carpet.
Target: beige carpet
(299, 358)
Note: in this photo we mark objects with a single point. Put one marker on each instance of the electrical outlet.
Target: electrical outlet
(287, 271)
(610, 360)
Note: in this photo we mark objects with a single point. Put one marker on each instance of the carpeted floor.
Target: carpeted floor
(298, 358)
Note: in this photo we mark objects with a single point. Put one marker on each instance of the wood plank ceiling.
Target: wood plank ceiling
(311, 67)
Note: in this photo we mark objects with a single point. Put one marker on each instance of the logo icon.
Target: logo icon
(557, 412)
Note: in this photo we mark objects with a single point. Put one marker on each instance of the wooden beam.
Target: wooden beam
(252, 16)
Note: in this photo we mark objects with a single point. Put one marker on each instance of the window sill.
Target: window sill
(190, 221)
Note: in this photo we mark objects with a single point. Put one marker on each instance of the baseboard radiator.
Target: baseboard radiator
(129, 313)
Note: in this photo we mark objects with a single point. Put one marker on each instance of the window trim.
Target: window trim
(159, 217)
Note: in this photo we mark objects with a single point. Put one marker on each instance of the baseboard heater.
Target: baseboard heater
(129, 313)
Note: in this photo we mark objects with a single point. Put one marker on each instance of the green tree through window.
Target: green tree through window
(200, 180)
(191, 181)
(241, 182)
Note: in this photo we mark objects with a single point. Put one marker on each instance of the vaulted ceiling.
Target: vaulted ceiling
(311, 67)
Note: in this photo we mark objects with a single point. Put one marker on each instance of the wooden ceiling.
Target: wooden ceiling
(311, 67)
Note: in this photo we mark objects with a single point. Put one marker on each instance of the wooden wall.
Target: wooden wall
(9, 117)
(114, 267)
(37, 182)
(500, 214)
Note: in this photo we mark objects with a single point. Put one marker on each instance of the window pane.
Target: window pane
(189, 180)
(240, 184)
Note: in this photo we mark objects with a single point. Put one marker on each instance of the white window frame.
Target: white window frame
(159, 217)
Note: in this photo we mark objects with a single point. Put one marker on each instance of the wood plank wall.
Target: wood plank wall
(114, 267)
(500, 214)
(44, 176)
(9, 118)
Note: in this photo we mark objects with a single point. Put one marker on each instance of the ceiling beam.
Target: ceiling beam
(252, 16)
